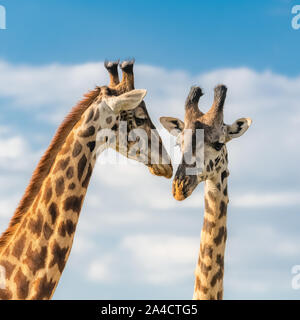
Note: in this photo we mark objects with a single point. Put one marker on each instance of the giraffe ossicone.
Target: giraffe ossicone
(35, 247)
(214, 172)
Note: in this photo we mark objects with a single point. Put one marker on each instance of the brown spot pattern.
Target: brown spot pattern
(44, 289)
(208, 209)
(223, 209)
(67, 144)
(5, 294)
(70, 173)
(47, 231)
(19, 246)
(206, 250)
(220, 236)
(70, 227)
(200, 287)
(35, 258)
(88, 176)
(61, 165)
(9, 268)
(53, 211)
(67, 227)
(77, 149)
(73, 203)
(60, 186)
(109, 120)
(208, 225)
(90, 116)
(81, 166)
(91, 145)
(48, 191)
(212, 196)
(36, 225)
(22, 285)
(204, 268)
(219, 273)
(72, 186)
(87, 132)
(220, 295)
(59, 257)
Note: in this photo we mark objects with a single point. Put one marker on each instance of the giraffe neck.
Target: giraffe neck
(37, 251)
(210, 268)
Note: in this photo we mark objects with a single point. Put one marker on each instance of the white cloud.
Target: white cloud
(14, 148)
(101, 270)
(269, 241)
(132, 212)
(49, 90)
(16, 154)
(272, 100)
(83, 245)
(52, 84)
(266, 199)
(7, 206)
(165, 259)
(154, 259)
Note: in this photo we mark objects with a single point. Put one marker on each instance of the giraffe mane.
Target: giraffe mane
(44, 166)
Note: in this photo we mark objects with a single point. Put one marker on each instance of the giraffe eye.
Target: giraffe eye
(217, 145)
(139, 121)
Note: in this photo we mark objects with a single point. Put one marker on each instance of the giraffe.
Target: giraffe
(35, 247)
(214, 172)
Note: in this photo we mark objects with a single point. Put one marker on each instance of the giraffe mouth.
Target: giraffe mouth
(181, 191)
(165, 170)
(183, 185)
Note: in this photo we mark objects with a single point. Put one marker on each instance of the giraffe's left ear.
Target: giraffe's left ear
(174, 125)
(126, 101)
(238, 128)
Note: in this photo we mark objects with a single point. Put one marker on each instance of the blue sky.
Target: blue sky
(191, 35)
(52, 52)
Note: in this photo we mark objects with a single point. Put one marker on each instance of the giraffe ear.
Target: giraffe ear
(126, 101)
(238, 128)
(174, 125)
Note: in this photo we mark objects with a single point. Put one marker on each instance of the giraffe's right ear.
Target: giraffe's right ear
(238, 128)
(126, 101)
(174, 125)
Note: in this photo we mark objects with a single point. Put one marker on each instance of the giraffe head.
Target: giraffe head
(204, 151)
(125, 125)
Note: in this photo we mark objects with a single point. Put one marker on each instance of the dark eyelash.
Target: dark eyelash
(217, 145)
(139, 121)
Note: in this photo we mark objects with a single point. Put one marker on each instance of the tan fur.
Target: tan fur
(46, 162)
(210, 268)
(36, 246)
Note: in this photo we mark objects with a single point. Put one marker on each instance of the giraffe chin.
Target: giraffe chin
(165, 170)
(180, 191)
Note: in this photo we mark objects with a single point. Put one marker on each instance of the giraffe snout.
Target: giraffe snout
(165, 170)
(183, 185)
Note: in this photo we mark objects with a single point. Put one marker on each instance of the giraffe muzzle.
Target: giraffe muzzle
(164, 170)
(183, 184)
